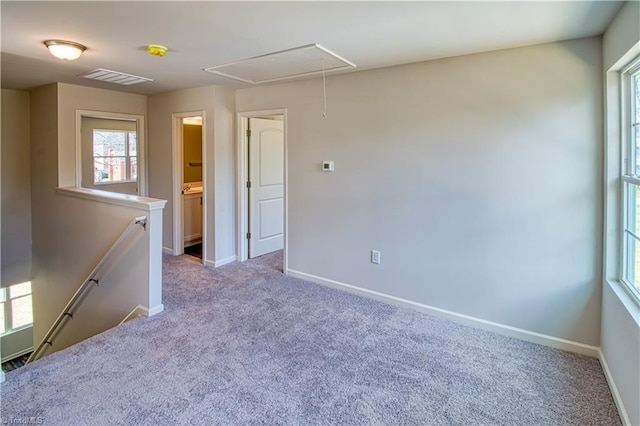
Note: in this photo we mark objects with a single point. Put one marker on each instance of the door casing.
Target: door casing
(260, 193)
(242, 176)
(178, 173)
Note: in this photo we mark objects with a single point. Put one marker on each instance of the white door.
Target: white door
(266, 177)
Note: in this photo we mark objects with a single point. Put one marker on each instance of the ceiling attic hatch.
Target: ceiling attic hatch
(285, 64)
(115, 77)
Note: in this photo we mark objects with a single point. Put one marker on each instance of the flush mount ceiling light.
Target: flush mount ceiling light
(197, 121)
(156, 50)
(67, 50)
(285, 64)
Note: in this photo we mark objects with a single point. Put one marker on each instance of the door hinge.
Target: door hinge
(249, 184)
(248, 133)
(248, 235)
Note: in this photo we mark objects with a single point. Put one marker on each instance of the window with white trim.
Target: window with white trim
(16, 307)
(631, 178)
(114, 156)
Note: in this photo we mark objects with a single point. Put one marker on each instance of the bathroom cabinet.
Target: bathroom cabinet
(192, 217)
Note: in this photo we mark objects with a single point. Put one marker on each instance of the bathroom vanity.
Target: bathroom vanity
(192, 213)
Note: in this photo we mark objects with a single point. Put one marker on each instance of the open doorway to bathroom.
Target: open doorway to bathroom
(192, 185)
(189, 185)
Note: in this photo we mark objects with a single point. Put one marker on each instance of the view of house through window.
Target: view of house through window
(631, 179)
(114, 156)
(16, 307)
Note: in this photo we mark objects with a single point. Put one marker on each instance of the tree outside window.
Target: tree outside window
(114, 156)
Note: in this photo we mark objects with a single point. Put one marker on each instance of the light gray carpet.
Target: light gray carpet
(244, 344)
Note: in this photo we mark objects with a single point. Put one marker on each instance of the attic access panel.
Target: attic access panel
(297, 62)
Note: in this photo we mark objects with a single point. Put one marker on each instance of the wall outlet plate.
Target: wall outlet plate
(327, 166)
(375, 257)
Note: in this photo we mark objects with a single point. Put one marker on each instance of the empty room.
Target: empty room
(377, 212)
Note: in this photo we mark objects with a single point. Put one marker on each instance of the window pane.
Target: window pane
(133, 144)
(636, 97)
(108, 143)
(19, 290)
(101, 173)
(21, 312)
(2, 328)
(110, 169)
(633, 208)
(2, 297)
(636, 141)
(134, 168)
(633, 262)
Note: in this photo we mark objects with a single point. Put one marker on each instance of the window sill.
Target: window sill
(115, 182)
(134, 201)
(631, 303)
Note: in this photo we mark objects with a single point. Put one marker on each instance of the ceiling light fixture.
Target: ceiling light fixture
(67, 50)
(156, 50)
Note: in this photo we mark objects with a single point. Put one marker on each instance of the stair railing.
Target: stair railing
(91, 278)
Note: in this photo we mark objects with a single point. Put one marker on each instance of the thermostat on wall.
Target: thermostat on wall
(327, 166)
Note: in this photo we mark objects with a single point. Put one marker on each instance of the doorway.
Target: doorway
(262, 189)
(189, 176)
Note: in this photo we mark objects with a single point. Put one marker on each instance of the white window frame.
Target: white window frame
(630, 171)
(8, 312)
(141, 147)
(127, 158)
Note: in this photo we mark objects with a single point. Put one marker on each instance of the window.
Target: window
(16, 309)
(114, 156)
(631, 178)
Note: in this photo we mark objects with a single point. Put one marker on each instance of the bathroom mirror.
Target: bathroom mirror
(110, 152)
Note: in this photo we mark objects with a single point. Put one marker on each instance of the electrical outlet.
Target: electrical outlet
(375, 257)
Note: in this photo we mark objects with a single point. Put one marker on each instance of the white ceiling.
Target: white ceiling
(206, 34)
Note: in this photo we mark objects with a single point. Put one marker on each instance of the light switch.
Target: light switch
(327, 166)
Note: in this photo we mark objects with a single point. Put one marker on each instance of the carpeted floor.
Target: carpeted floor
(244, 344)
(273, 261)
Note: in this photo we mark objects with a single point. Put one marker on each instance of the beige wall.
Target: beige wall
(192, 153)
(16, 188)
(620, 338)
(44, 178)
(225, 174)
(218, 167)
(623, 33)
(71, 235)
(89, 124)
(72, 98)
(161, 108)
(477, 177)
(85, 231)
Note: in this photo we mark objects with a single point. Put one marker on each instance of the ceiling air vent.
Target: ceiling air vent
(285, 64)
(116, 77)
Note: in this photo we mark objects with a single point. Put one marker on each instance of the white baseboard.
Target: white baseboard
(167, 250)
(519, 333)
(142, 311)
(224, 261)
(138, 311)
(614, 390)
